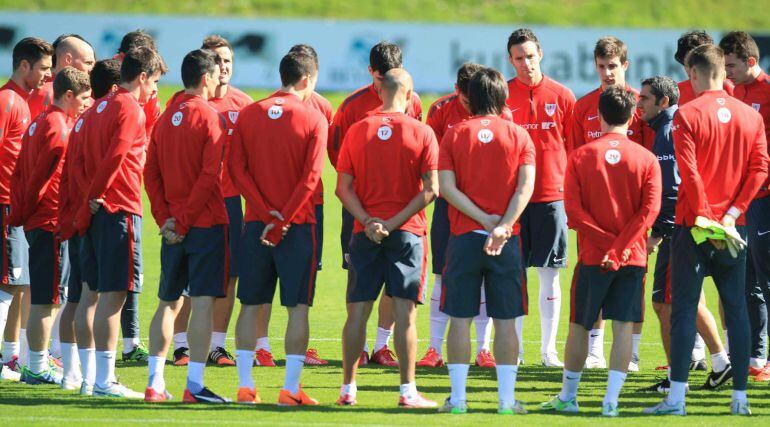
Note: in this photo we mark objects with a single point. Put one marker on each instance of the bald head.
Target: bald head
(396, 87)
(74, 52)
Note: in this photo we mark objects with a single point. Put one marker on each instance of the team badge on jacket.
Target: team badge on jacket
(550, 109)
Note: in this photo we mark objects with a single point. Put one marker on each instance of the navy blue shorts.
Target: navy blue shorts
(319, 234)
(15, 254)
(661, 285)
(112, 246)
(439, 234)
(544, 235)
(758, 231)
(235, 216)
(75, 282)
(199, 262)
(618, 295)
(293, 262)
(468, 267)
(399, 262)
(49, 267)
(346, 233)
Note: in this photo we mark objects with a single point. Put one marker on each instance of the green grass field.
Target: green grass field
(378, 387)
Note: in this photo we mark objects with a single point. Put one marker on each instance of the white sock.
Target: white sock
(244, 360)
(483, 325)
(699, 349)
(55, 348)
(438, 320)
(458, 377)
(129, 344)
(155, 365)
(294, 364)
(755, 362)
(23, 347)
(727, 341)
(550, 308)
(105, 368)
(615, 381)
(506, 383)
(218, 340)
(70, 362)
(38, 361)
(263, 344)
(596, 343)
(569, 385)
(635, 340)
(195, 376)
(409, 389)
(366, 345)
(180, 340)
(383, 337)
(519, 323)
(88, 365)
(676, 392)
(349, 389)
(740, 395)
(10, 349)
(719, 361)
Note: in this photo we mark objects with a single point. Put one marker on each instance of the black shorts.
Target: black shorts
(346, 233)
(14, 256)
(319, 234)
(235, 231)
(399, 262)
(49, 267)
(618, 295)
(439, 234)
(293, 262)
(75, 282)
(661, 286)
(544, 235)
(199, 262)
(758, 230)
(113, 243)
(467, 267)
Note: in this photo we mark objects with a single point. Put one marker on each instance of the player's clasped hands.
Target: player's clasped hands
(168, 231)
(376, 230)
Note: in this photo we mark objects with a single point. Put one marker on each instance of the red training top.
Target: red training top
(324, 107)
(71, 195)
(686, 94)
(757, 95)
(40, 99)
(14, 119)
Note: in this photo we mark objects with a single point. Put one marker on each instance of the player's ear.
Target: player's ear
(625, 66)
(751, 61)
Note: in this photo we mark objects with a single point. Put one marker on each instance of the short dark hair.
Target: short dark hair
(487, 92)
(63, 37)
(464, 74)
(294, 66)
(521, 36)
(141, 60)
(134, 39)
(105, 74)
(215, 41)
(610, 47)
(305, 49)
(689, 41)
(617, 105)
(195, 64)
(72, 79)
(740, 44)
(30, 49)
(707, 58)
(385, 56)
(661, 86)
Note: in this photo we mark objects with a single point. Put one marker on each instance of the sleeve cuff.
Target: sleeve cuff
(733, 212)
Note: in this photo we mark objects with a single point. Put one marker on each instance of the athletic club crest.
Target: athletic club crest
(550, 109)
(233, 115)
(755, 106)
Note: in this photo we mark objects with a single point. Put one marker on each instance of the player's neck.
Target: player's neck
(132, 88)
(198, 91)
(291, 90)
(394, 105)
(620, 130)
(709, 85)
(618, 83)
(534, 81)
(221, 91)
(754, 72)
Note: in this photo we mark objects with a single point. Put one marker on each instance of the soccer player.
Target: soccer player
(383, 57)
(487, 175)
(387, 176)
(76, 326)
(543, 107)
(611, 60)
(113, 147)
(612, 197)
(752, 86)
(687, 42)
(721, 153)
(276, 160)
(443, 115)
(31, 68)
(184, 166)
(36, 185)
(70, 50)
